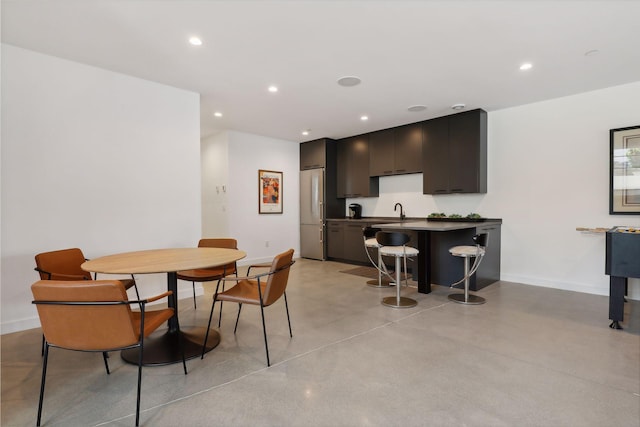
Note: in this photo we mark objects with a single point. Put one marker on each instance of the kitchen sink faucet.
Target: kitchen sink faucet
(401, 212)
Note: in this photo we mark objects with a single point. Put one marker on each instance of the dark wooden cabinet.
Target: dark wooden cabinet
(454, 153)
(335, 240)
(345, 242)
(353, 168)
(354, 249)
(396, 151)
(313, 154)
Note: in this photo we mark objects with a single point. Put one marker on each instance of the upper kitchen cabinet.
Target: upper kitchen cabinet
(396, 151)
(313, 154)
(353, 168)
(454, 153)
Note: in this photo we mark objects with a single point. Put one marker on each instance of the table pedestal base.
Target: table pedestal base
(164, 349)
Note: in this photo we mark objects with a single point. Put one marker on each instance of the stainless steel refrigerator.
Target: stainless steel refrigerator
(312, 214)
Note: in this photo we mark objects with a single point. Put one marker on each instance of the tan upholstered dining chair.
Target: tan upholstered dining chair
(95, 316)
(214, 273)
(64, 264)
(262, 289)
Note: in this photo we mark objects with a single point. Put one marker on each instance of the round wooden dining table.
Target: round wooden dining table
(164, 348)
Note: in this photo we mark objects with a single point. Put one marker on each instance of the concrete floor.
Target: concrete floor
(530, 356)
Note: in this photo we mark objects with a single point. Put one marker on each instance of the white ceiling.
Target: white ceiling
(434, 53)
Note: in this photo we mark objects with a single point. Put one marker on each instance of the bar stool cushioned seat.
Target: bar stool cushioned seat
(393, 244)
(468, 252)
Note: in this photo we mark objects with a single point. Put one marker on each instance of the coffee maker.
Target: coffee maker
(355, 211)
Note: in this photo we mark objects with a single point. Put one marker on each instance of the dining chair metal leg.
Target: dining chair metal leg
(237, 318)
(105, 356)
(206, 336)
(286, 305)
(44, 376)
(264, 331)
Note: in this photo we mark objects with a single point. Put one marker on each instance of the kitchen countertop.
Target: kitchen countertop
(374, 219)
(426, 225)
(419, 223)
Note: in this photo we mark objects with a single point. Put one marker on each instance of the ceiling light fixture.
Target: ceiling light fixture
(217, 114)
(526, 66)
(349, 81)
(306, 132)
(458, 107)
(273, 89)
(364, 118)
(416, 108)
(196, 41)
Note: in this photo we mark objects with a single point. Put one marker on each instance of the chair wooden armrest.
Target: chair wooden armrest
(157, 297)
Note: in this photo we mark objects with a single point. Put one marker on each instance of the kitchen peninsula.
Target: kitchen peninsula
(435, 238)
(435, 265)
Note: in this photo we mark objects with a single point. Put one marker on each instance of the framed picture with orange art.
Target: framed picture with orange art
(270, 192)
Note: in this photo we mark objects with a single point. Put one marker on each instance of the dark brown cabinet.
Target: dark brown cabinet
(335, 240)
(396, 151)
(345, 242)
(313, 154)
(454, 153)
(354, 249)
(353, 168)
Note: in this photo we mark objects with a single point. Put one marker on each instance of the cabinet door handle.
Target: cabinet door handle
(440, 191)
(457, 190)
(321, 236)
(401, 170)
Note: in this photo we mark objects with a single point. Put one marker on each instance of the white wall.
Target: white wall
(548, 173)
(91, 159)
(232, 159)
(215, 180)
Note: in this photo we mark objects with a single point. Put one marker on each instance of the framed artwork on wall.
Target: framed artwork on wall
(624, 167)
(270, 192)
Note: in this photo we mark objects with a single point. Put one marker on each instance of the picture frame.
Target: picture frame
(269, 192)
(624, 168)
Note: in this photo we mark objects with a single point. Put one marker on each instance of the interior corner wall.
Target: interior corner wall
(215, 181)
(91, 159)
(262, 235)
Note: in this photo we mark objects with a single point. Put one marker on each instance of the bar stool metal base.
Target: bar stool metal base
(404, 302)
(471, 299)
(384, 283)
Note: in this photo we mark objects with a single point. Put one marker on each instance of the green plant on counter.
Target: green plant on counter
(474, 216)
(455, 216)
(437, 215)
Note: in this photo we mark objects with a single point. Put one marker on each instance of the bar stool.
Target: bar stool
(468, 252)
(393, 244)
(370, 242)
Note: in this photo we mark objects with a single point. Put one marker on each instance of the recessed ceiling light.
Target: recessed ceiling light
(217, 114)
(196, 41)
(306, 132)
(591, 52)
(349, 81)
(273, 89)
(416, 108)
(458, 107)
(364, 118)
(526, 66)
